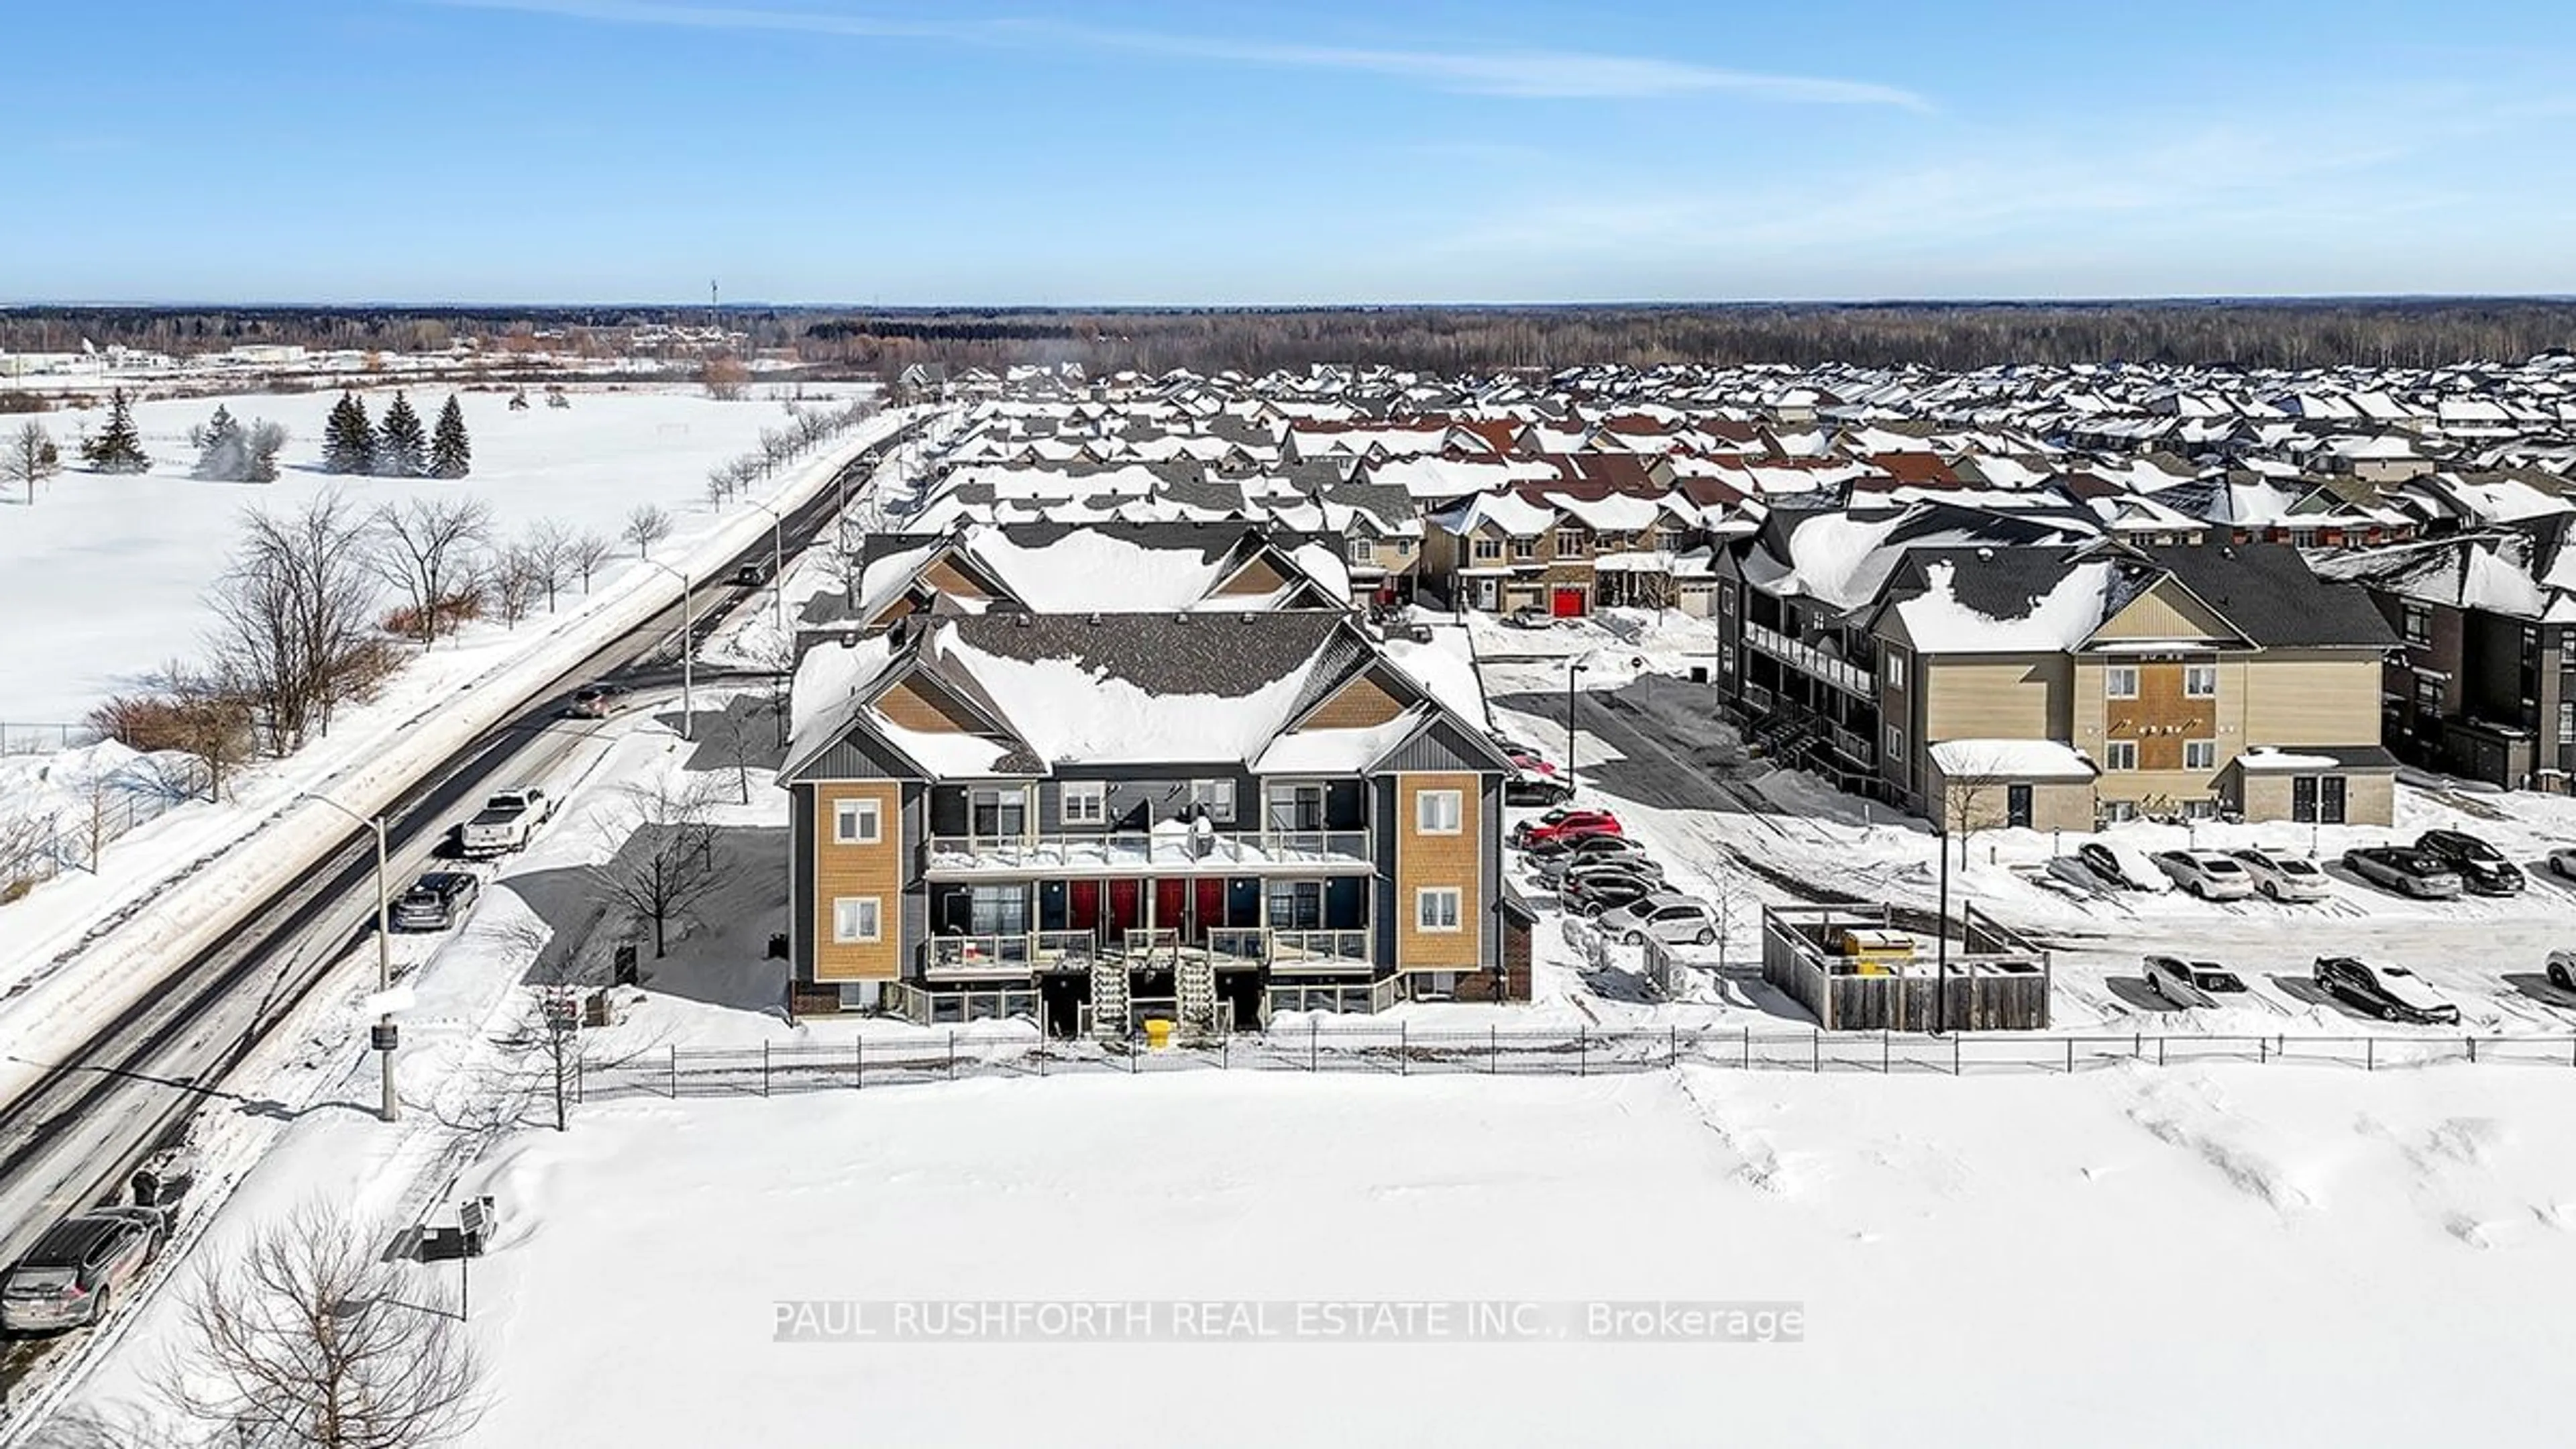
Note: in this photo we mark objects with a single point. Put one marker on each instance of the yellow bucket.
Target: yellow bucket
(1158, 1033)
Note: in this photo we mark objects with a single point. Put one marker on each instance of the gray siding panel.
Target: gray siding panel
(916, 895)
(1440, 748)
(1382, 917)
(800, 921)
(859, 757)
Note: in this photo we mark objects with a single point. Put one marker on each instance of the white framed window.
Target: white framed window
(1436, 908)
(1437, 812)
(1361, 550)
(1894, 668)
(2567, 722)
(857, 920)
(1217, 796)
(2419, 624)
(2120, 755)
(2200, 754)
(1525, 547)
(857, 822)
(2120, 681)
(1896, 742)
(1083, 802)
(1486, 550)
(1569, 543)
(2200, 681)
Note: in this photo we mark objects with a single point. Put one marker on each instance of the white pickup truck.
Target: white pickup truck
(505, 824)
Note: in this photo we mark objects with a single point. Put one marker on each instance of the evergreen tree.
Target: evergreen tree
(348, 439)
(451, 452)
(118, 448)
(223, 452)
(260, 447)
(402, 445)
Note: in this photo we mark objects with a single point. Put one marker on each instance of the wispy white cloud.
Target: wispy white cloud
(1528, 74)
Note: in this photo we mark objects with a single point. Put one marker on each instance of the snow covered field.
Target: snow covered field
(118, 567)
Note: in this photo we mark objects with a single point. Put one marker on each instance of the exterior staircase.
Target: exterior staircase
(1109, 998)
(1195, 985)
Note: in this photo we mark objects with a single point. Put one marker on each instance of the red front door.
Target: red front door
(1211, 907)
(1082, 903)
(1168, 898)
(1124, 914)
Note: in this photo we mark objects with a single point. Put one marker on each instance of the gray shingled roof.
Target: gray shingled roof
(1228, 655)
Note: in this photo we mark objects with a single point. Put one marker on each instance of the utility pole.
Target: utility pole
(688, 649)
(385, 1036)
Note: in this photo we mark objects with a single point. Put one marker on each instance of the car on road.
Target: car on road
(436, 901)
(2284, 877)
(1588, 848)
(2121, 866)
(72, 1274)
(2407, 872)
(1668, 916)
(507, 822)
(595, 701)
(2391, 993)
(2192, 983)
(2209, 874)
(752, 575)
(2482, 868)
(2562, 970)
(1608, 889)
(1531, 616)
(1565, 826)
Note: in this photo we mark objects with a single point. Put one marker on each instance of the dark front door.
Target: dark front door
(2330, 799)
(2017, 806)
(1062, 995)
(2303, 799)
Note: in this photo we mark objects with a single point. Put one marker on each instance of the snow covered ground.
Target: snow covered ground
(130, 558)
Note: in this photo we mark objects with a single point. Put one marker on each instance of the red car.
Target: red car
(1564, 826)
(1531, 763)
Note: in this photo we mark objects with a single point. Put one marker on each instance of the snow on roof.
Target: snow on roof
(1326, 566)
(1617, 513)
(1068, 711)
(824, 696)
(1509, 512)
(2265, 757)
(1082, 570)
(2062, 619)
(1338, 751)
(2013, 759)
(1446, 668)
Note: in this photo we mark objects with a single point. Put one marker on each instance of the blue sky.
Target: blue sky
(1141, 151)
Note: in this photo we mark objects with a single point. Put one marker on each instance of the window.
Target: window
(1525, 548)
(1894, 669)
(2120, 755)
(857, 822)
(2419, 624)
(997, 910)
(1216, 797)
(1083, 802)
(1362, 550)
(1295, 807)
(1436, 908)
(2200, 754)
(1569, 542)
(1668, 540)
(2120, 681)
(997, 814)
(1896, 742)
(2428, 695)
(1296, 905)
(2200, 681)
(2567, 722)
(1486, 550)
(856, 921)
(1436, 812)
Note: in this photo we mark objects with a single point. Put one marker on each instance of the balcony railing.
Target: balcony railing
(1163, 850)
(1808, 659)
(960, 957)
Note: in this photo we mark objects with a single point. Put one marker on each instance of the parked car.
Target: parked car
(73, 1273)
(2562, 970)
(2407, 872)
(1527, 789)
(1528, 762)
(1563, 825)
(2284, 877)
(1668, 916)
(506, 823)
(2562, 862)
(2391, 993)
(595, 701)
(1531, 616)
(2208, 874)
(2122, 867)
(2191, 983)
(2481, 867)
(1589, 848)
(436, 901)
(1595, 892)
(1633, 864)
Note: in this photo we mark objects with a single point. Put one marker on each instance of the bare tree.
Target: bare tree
(744, 735)
(26, 851)
(645, 527)
(724, 377)
(293, 634)
(1971, 774)
(307, 1335)
(549, 552)
(587, 552)
(31, 458)
(512, 584)
(667, 860)
(426, 548)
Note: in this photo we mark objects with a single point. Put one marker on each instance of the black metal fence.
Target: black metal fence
(1400, 1050)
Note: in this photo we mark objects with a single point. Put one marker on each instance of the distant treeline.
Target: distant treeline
(2394, 332)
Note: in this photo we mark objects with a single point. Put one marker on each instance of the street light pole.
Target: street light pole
(688, 650)
(1571, 671)
(391, 1106)
(777, 563)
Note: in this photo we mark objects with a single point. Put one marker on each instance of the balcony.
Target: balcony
(1016, 955)
(1809, 660)
(1162, 852)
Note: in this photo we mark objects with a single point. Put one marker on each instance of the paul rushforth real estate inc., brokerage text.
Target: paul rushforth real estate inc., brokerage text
(1060, 1320)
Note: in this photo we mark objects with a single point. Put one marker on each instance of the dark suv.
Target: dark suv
(68, 1278)
(436, 901)
(2482, 867)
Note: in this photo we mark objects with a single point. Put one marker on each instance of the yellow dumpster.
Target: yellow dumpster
(1158, 1033)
